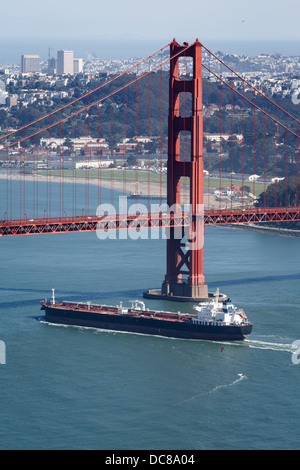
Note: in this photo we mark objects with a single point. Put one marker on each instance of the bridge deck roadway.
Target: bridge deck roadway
(90, 223)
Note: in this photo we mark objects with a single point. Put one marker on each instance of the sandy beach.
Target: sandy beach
(144, 188)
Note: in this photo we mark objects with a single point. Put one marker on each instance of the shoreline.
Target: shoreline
(148, 190)
(145, 189)
(117, 185)
(283, 232)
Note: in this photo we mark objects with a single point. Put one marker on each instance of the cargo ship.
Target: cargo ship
(213, 320)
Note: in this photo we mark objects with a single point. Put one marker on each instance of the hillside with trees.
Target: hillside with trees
(142, 109)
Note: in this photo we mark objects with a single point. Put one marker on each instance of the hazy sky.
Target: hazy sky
(155, 19)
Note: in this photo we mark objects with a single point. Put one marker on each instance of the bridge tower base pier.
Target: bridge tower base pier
(185, 295)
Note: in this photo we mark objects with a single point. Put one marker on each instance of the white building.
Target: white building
(254, 178)
(3, 93)
(219, 137)
(276, 180)
(30, 64)
(93, 164)
(78, 143)
(65, 62)
(142, 139)
(78, 65)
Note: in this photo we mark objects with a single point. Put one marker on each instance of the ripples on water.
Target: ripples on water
(79, 388)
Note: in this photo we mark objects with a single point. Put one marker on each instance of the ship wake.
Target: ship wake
(266, 345)
(241, 377)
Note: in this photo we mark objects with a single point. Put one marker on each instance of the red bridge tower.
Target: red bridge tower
(184, 279)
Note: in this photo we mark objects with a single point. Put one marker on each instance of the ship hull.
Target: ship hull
(150, 326)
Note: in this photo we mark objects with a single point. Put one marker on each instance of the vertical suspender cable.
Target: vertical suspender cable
(136, 133)
(297, 169)
(231, 151)
(243, 143)
(60, 171)
(88, 153)
(220, 146)
(287, 202)
(265, 154)
(275, 188)
(50, 186)
(124, 146)
(74, 169)
(149, 132)
(100, 151)
(112, 139)
(160, 131)
(253, 151)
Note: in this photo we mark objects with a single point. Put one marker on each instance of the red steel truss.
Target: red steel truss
(144, 221)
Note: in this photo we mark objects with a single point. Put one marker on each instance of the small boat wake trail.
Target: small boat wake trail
(255, 344)
(241, 377)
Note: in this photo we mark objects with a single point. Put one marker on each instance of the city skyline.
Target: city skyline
(12, 50)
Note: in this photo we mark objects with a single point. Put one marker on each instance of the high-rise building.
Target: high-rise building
(52, 66)
(65, 63)
(11, 101)
(30, 64)
(78, 66)
(3, 93)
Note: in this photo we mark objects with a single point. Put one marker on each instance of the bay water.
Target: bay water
(77, 388)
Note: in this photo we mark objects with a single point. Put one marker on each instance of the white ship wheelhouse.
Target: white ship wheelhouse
(218, 313)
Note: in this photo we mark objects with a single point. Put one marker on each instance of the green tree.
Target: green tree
(281, 193)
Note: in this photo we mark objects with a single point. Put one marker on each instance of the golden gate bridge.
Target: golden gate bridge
(264, 128)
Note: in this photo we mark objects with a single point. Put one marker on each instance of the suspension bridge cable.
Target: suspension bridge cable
(94, 103)
(83, 96)
(253, 104)
(249, 84)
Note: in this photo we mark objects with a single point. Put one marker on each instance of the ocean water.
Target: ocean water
(76, 388)
(12, 49)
